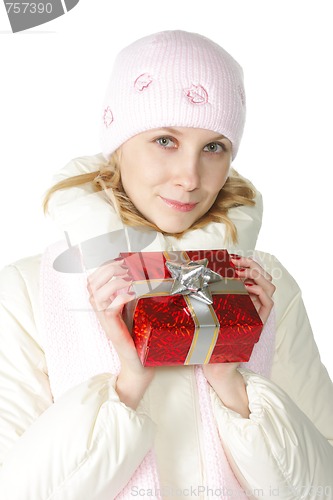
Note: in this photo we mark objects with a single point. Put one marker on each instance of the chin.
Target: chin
(173, 224)
(174, 229)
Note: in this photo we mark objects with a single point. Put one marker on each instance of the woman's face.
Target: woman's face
(173, 175)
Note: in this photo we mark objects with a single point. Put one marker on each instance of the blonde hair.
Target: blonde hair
(236, 191)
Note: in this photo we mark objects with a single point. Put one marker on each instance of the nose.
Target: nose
(187, 172)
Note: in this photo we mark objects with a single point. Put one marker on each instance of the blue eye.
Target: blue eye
(165, 142)
(214, 147)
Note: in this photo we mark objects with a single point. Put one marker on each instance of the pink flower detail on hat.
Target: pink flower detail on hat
(107, 117)
(142, 82)
(197, 94)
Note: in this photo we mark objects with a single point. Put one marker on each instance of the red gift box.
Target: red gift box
(178, 329)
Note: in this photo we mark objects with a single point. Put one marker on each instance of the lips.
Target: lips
(177, 205)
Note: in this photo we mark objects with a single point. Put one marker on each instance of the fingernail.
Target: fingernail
(240, 269)
(126, 270)
(234, 256)
(123, 268)
(131, 291)
(248, 284)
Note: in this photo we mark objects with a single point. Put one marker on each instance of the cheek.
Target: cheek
(139, 181)
(144, 170)
(216, 181)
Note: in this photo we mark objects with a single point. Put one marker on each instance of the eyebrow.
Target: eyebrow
(219, 137)
(173, 130)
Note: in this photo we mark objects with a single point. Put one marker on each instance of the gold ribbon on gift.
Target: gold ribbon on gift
(206, 323)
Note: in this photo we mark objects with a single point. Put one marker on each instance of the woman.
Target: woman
(77, 399)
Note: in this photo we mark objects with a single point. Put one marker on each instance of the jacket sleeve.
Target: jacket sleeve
(277, 452)
(297, 367)
(86, 445)
(284, 448)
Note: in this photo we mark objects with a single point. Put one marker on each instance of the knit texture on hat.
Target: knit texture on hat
(173, 79)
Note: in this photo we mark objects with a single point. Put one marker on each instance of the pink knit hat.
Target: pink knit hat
(173, 79)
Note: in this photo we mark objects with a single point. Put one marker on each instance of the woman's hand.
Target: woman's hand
(224, 377)
(258, 283)
(109, 289)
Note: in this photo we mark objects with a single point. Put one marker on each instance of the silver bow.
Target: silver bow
(193, 279)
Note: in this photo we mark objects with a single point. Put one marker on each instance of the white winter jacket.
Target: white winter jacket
(55, 450)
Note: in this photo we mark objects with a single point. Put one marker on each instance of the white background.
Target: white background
(52, 84)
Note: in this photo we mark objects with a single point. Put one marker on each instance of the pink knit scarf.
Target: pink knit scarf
(76, 349)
